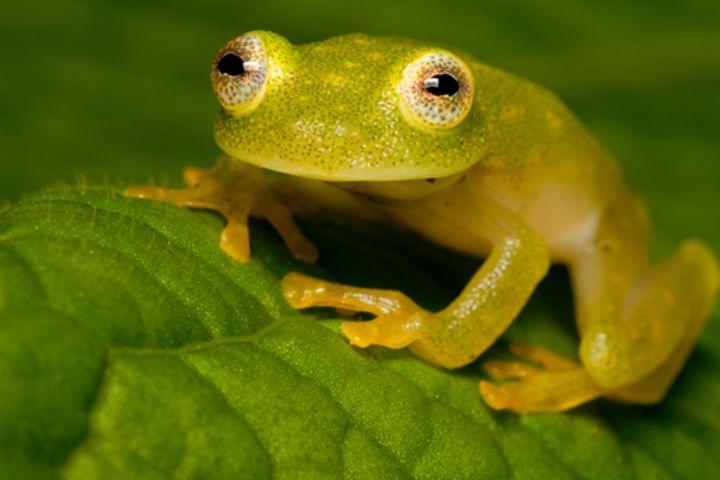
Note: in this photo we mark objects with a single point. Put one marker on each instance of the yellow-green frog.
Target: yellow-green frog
(475, 159)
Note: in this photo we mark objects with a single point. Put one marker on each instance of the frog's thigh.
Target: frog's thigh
(672, 302)
(654, 386)
(638, 323)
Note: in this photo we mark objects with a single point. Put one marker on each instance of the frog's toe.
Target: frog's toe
(194, 175)
(235, 239)
(519, 397)
(300, 290)
(282, 221)
(180, 197)
(501, 370)
(303, 291)
(385, 332)
(547, 359)
(543, 360)
(146, 192)
(495, 396)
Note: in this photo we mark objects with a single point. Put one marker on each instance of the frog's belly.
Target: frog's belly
(453, 235)
(565, 217)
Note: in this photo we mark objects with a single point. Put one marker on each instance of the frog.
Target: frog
(431, 140)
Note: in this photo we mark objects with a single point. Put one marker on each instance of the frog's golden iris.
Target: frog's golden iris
(429, 106)
(239, 88)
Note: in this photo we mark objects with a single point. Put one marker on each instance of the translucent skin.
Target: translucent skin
(515, 178)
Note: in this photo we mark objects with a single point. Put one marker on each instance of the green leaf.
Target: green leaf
(131, 346)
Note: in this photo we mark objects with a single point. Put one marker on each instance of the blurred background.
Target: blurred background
(111, 92)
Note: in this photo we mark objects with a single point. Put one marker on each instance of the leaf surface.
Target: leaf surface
(132, 347)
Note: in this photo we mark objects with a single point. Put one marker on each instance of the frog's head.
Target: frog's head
(351, 108)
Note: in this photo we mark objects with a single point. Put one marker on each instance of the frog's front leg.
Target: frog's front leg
(236, 191)
(458, 334)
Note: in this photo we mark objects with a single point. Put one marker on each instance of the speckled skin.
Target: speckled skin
(331, 113)
(499, 169)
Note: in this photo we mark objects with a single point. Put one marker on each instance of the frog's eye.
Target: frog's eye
(239, 74)
(436, 91)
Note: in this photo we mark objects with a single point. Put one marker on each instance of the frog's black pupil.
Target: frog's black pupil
(231, 64)
(447, 85)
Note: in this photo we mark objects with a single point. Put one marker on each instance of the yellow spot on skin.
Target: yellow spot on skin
(375, 56)
(495, 161)
(350, 65)
(511, 113)
(668, 296)
(554, 122)
(335, 79)
(535, 158)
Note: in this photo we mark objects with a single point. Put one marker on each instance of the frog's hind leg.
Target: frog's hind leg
(638, 354)
(637, 323)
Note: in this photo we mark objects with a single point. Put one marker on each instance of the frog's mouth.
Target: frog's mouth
(350, 174)
(348, 162)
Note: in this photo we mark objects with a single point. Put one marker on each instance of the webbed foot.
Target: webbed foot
(553, 384)
(397, 322)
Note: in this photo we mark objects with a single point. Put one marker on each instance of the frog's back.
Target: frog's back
(514, 125)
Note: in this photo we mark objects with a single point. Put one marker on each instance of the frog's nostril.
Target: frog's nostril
(231, 64)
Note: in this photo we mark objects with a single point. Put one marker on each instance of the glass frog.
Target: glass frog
(475, 159)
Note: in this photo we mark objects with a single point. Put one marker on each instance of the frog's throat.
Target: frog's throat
(350, 174)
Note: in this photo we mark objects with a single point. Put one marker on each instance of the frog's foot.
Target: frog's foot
(236, 195)
(556, 384)
(397, 322)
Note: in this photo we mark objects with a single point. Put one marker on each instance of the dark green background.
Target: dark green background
(110, 93)
(119, 90)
